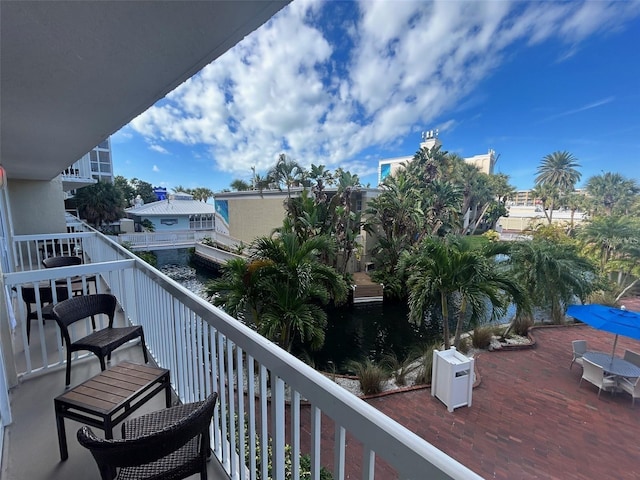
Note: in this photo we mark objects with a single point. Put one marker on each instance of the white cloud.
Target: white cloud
(158, 148)
(324, 93)
(155, 168)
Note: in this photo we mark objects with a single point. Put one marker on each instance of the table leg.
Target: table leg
(62, 435)
(108, 429)
(167, 390)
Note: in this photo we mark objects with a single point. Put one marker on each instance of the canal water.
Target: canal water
(354, 332)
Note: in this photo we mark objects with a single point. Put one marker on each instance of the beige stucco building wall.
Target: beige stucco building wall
(37, 206)
(253, 216)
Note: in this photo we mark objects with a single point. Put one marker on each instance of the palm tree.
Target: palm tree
(99, 203)
(612, 191)
(449, 273)
(284, 286)
(559, 170)
(553, 274)
(557, 176)
(202, 194)
(286, 171)
(240, 185)
(605, 236)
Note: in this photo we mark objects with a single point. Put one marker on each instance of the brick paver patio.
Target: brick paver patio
(529, 419)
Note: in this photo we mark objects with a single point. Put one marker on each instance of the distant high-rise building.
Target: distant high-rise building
(92, 167)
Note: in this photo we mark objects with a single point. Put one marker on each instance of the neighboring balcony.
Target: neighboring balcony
(268, 399)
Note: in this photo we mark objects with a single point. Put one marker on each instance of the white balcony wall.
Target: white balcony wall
(36, 206)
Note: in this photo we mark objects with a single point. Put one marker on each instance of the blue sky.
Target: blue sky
(346, 84)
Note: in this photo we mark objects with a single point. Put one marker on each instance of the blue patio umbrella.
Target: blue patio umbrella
(608, 319)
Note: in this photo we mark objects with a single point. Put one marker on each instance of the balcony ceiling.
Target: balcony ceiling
(72, 73)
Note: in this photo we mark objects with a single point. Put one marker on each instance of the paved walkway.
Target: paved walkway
(529, 419)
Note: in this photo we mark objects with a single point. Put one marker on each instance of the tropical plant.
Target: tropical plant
(240, 185)
(611, 193)
(287, 172)
(399, 368)
(283, 285)
(372, 377)
(557, 176)
(202, 194)
(614, 244)
(559, 170)
(553, 274)
(99, 204)
(451, 275)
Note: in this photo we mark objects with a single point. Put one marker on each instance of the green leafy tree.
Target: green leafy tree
(144, 189)
(99, 204)
(127, 192)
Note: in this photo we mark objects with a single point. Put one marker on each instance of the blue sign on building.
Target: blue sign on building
(161, 193)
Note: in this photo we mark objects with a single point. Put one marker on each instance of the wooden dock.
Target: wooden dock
(364, 290)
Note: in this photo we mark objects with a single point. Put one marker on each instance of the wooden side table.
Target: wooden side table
(109, 397)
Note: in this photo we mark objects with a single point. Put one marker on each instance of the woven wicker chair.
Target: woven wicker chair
(100, 342)
(46, 303)
(168, 444)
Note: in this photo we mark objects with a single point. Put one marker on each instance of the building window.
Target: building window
(201, 222)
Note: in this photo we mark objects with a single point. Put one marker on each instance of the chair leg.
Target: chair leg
(144, 347)
(103, 367)
(68, 377)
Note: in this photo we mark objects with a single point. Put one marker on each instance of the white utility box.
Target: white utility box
(452, 378)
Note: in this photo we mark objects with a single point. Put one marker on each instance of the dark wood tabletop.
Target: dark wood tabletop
(109, 397)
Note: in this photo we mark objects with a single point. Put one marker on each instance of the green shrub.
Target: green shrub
(400, 368)
(148, 257)
(481, 337)
(426, 365)
(370, 376)
(465, 345)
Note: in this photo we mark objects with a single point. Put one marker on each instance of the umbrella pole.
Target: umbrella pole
(615, 342)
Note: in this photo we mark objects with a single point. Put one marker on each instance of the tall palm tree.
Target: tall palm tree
(286, 171)
(559, 170)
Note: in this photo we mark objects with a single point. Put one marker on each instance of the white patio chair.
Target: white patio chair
(632, 386)
(579, 349)
(594, 374)
(632, 357)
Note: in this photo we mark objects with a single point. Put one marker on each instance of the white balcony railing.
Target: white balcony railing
(178, 238)
(267, 397)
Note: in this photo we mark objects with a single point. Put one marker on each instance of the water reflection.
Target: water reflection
(355, 332)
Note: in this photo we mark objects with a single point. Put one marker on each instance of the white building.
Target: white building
(388, 166)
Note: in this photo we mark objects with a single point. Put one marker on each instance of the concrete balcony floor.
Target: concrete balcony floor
(31, 441)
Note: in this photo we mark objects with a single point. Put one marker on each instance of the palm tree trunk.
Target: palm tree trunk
(459, 321)
(445, 321)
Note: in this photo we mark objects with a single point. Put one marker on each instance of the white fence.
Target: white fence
(266, 396)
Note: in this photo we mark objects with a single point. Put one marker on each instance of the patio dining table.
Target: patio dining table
(613, 365)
